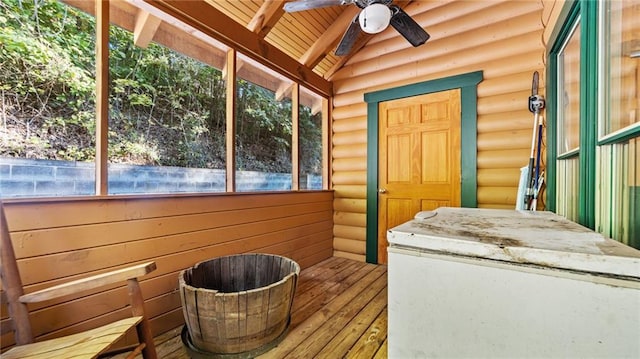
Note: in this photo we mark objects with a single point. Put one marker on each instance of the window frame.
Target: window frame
(587, 13)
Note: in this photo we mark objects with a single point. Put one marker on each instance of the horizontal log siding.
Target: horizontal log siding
(58, 241)
(501, 38)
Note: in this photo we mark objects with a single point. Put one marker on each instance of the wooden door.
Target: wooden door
(419, 169)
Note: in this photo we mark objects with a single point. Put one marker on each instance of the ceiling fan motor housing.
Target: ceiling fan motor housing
(374, 18)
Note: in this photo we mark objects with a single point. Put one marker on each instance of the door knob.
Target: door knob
(382, 190)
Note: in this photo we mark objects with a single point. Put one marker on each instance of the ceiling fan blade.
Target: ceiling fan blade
(407, 27)
(302, 5)
(349, 38)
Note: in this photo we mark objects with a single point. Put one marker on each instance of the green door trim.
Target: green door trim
(468, 85)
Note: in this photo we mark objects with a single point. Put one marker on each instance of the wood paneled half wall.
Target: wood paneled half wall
(61, 240)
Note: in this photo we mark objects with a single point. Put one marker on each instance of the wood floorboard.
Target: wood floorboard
(339, 311)
(371, 341)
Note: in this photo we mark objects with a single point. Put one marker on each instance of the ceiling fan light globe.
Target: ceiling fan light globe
(374, 18)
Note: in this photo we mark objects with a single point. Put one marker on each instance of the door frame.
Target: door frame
(468, 85)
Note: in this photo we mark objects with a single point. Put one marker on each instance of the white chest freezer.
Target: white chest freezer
(484, 283)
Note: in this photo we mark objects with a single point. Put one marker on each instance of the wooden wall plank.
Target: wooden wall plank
(508, 158)
(349, 255)
(350, 205)
(352, 110)
(498, 195)
(505, 140)
(350, 219)
(491, 86)
(350, 124)
(350, 191)
(352, 150)
(513, 101)
(352, 232)
(500, 121)
(345, 138)
(349, 245)
(350, 177)
(503, 177)
(349, 164)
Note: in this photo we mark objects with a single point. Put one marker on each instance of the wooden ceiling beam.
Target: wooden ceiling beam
(145, 29)
(267, 16)
(216, 24)
(329, 38)
(284, 90)
(316, 107)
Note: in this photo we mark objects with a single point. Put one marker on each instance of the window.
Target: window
(619, 191)
(568, 99)
(167, 114)
(619, 122)
(310, 117)
(263, 128)
(47, 83)
(597, 153)
(619, 24)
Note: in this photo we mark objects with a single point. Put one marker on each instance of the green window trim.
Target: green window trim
(468, 85)
(621, 136)
(587, 12)
(571, 154)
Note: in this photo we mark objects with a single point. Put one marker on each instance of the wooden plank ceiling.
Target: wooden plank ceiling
(307, 36)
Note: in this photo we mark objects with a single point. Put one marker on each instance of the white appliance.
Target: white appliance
(487, 283)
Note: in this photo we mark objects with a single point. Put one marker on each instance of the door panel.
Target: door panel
(419, 166)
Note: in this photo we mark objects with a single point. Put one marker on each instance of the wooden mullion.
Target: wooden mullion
(326, 144)
(102, 95)
(231, 120)
(295, 137)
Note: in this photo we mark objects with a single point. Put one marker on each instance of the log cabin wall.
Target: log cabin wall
(62, 240)
(504, 39)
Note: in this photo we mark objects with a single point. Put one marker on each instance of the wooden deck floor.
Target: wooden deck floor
(339, 311)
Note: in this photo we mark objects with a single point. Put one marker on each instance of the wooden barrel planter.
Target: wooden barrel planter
(237, 306)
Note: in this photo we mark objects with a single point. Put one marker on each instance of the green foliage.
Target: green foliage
(45, 77)
(263, 130)
(165, 108)
(310, 144)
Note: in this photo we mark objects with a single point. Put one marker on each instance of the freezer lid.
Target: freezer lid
(540, 238)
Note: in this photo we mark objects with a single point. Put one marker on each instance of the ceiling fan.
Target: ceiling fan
(375, 16)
